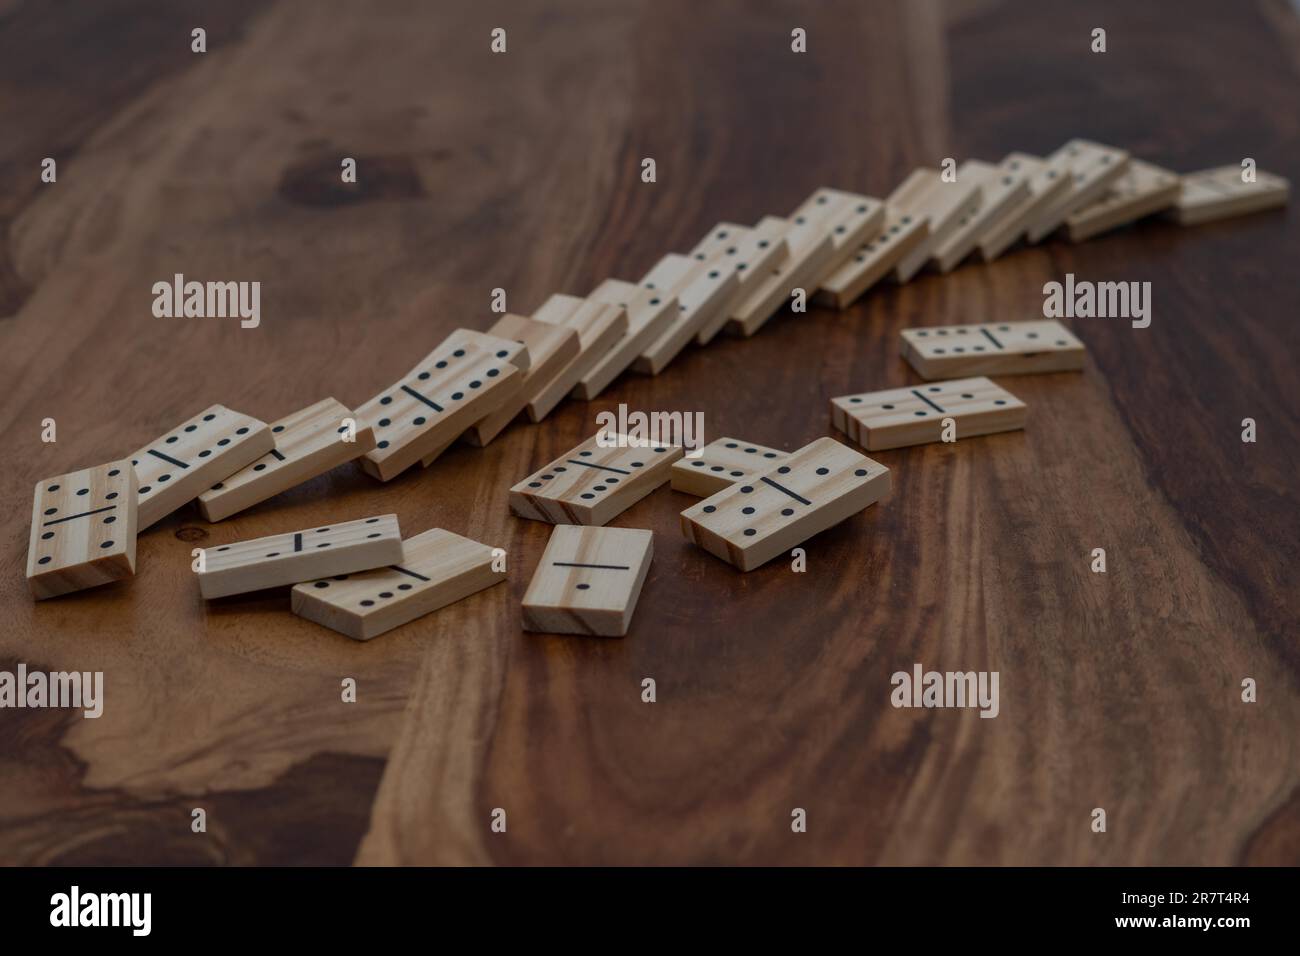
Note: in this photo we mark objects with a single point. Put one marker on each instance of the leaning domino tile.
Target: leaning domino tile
(720, 463)
(702, 289)
(1048, 182)
(751, 522)
(901, 234)
(283, 559)
(588, 581)
(1002, 186)
(942, 203)
(898, 417)
(193, 457)
(750, 253)
(598, 326)
(550, 348)
(649, 313)
(424, 411)
(308, 443)
(513, 350)
(1142, 190)
(83, 530)
(994, 348)
(594, 482)
(1093, 169)
(436, 568)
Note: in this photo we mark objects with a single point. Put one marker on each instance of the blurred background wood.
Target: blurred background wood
(1119, 691)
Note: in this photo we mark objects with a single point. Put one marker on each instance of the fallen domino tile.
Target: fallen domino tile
(721, 463)
(588, 581)
(279, 560)
(899, 417)
(601, 478)
(83, 530)
(749, 523)
(436, 568)
(995, 348)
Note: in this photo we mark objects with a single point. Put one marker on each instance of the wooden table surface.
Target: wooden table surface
(1118, 690)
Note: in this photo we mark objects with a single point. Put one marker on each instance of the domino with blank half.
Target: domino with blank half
(588, 581)
(751, 522)
(1002, 187)
(601, 478)
(720, 463)
(308, 443)
(995, 348)
(1093, 170)
(750, 253)
(925, 194)
(83, 530)
(648, 315)
(279, 560)
(1142, 190)
(1048, 182)
(189, 460)
(436, 568)
(1220, 193)
(821, 234)
(598, 325)
(901, 234)
(424, 411)
(702, 289)
(898, 417)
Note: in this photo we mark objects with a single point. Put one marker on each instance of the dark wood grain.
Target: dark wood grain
(521, 171)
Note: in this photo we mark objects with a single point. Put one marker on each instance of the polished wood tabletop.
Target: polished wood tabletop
(1119, 691)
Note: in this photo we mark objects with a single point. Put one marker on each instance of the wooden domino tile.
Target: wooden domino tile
(943, 205)
(765, 296)
(598, 324)
(514, 351)
(750, 523)
(750, 253)
(193, 457)
(649, 313)
(550, 348)
(1048, 182)
(1002, 186)
(900, 234)
(283, 559)
(720, 463)
(1220, 194)
(436, 568)
(702, 289)
(1093, 170)
(821, 234)
(1142, 190)
(510, 350)
(83, 530)
(588, 581)
(307, 443)
(997, 348)
(592, 484)
(454, 386)
(899, 417)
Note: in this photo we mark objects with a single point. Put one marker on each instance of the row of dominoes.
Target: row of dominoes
(475, 383)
